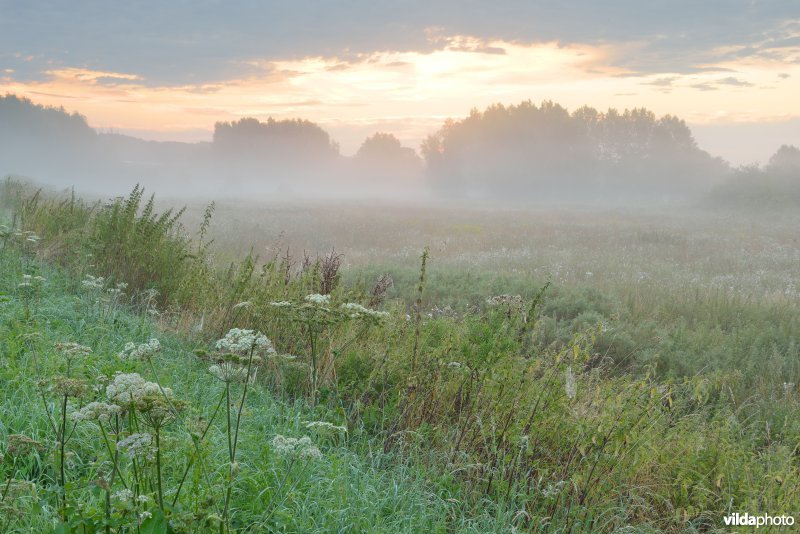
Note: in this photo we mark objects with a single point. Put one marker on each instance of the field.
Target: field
(569, 369)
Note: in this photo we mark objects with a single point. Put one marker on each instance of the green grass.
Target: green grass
(354, 488)
(597, 403)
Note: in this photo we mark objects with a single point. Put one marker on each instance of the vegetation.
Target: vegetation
(151, 386)
(547, 152)
(775, 186)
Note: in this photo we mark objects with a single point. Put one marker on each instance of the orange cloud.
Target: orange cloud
(411, 92)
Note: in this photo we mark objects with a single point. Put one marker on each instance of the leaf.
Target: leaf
(62, 528)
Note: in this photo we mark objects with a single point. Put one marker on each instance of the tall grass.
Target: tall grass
(559, 409)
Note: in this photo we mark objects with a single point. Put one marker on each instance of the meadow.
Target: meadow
(373, 367)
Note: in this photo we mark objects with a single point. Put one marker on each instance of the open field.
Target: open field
(644, 379)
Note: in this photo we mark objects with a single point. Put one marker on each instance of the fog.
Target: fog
(517, 154)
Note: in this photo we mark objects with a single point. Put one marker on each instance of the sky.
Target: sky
(168, 70)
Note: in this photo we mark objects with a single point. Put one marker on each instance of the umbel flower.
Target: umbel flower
(156, 410)
(63, 386)
(240, 341)
(21, 445)
(93, 282)
(318, 300)
(138, 445)
(143, 351)
(228, 372)
(72, 351)
(324, 427)
(357, 311)
(302, 448)
(128, 388)
(96, 411)
(570, 384)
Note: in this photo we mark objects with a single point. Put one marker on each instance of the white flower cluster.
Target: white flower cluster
(72, 350)
(143, 351)
(228, 372)
(570, 384)
(118, 289)
(128, 388)
(96, 411)
(245, 304)
(137, 446)
(356, 310)
(318, 300)
(281, 304)
(514, 301)
(324, 427)
(93, 282)
(30, 281)
(124, 495)
(298, 448)
(239, 341)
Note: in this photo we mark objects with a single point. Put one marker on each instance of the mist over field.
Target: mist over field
(363, 267)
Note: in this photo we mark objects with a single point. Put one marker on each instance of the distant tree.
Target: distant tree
(787, 158)
(542, 151)
(774, 186)
(277, 152)
(43, 141)
(276, 138)
(382, 156)
(21, 117)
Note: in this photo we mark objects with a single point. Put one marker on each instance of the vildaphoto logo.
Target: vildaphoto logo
(763, 520)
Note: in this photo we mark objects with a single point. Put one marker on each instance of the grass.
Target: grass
(603, 400)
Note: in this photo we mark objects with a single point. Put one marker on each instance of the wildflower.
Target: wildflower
(96, 411)
(239, 341)
(228, 372)
(123, 495)
(145, 515)
(143, 499)
(21, 445)
(281, 304)
(143, 351)
(570, 384)
(128, 388)
(156, 410)
(513, 301)
(297, 448)
(138, 445)
(68, 387)
(71, 351)
(93, 282)
(245, 304)
(318, 300)
(325, 427)
(356, 311)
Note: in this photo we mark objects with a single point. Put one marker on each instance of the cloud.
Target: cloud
(206, 41)
(730, 80)
(704, 86)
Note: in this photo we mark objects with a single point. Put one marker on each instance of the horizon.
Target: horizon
(731, 73)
